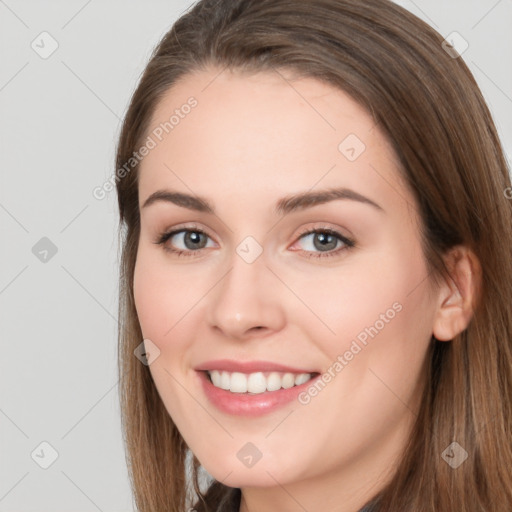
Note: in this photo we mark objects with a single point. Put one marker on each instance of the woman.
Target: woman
(339, 337)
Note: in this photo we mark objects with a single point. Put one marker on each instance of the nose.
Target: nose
(246, 302)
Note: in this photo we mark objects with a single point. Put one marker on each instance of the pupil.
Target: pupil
(324, 241)
(194, 237)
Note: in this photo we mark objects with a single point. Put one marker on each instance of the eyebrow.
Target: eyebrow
(283, 206)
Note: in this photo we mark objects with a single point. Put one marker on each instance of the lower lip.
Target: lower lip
(246, 404)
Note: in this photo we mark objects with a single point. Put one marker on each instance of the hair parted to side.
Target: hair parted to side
(433, 113)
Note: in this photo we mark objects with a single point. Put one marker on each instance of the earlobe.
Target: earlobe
(458, 296)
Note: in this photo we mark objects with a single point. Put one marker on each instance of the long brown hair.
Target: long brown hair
(429, 106)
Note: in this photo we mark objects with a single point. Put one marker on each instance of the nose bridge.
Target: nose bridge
(245, 299)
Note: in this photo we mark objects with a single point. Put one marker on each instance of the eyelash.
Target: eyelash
(349, 243)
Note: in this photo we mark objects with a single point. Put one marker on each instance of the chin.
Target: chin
(235, 473)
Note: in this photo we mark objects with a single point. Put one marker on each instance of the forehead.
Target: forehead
(265, 131)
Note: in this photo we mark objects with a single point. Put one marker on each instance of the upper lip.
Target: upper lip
(230, 365)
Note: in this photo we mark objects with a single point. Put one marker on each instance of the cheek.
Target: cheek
(168, 299)
(155, 300)
(376, 311)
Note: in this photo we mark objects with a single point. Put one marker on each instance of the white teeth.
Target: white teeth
(225, 380)
(257, 382)
(288, 380)
(300, 379)
(273, 382)
(238, 383)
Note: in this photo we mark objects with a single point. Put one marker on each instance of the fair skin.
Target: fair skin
(251, 140)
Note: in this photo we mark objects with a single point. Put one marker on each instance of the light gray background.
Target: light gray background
(59, 121)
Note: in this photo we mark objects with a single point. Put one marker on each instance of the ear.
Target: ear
(457, 297)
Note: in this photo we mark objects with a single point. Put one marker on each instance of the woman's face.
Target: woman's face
(258, 294)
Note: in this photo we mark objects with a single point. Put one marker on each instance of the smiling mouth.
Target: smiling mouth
(257, 382)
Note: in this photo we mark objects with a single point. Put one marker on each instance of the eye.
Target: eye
(190, 239)
(327, 241)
